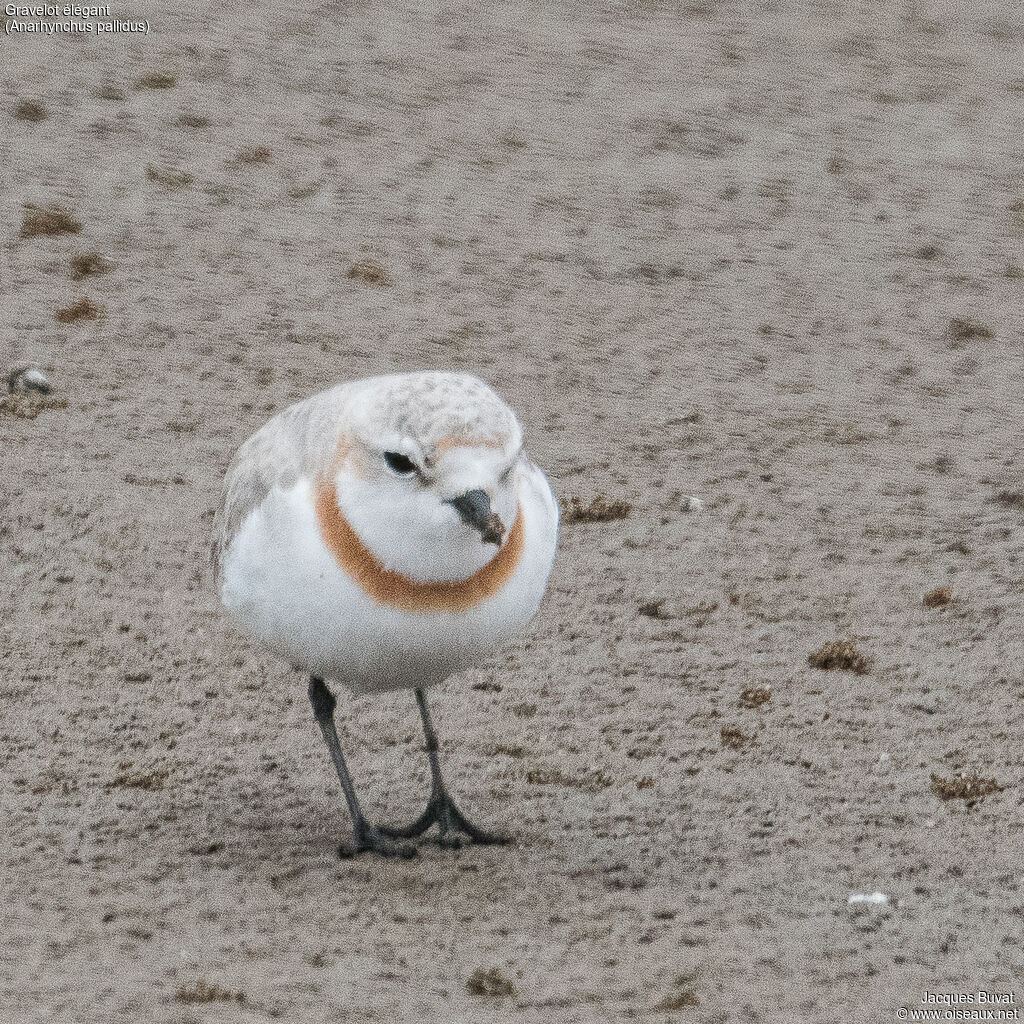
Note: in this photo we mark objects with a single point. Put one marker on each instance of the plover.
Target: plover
(386, 534)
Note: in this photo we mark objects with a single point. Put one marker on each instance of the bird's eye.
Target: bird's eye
(399, 463)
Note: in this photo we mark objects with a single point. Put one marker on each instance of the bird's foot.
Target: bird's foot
(368, 838)
(454, 828)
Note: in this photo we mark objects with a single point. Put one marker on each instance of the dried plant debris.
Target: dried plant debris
(489, 982)
(169, 178)
(156, 80)
(1010, 499)
(369, 272)
(488, 686)
(28, 407)
(83, 309)
(253, 155)
(504, 750)
(733, 737)
(679, 1001)
(29, 110)
(937, 598)
(204, 992)
(964, 787)
(755, 696)
(600, 510)
(593, 782)
(149, 781)
(841, 655)
(188, 120)
(653, 609)
(966, 329)
(621, 877)
(51, 220)
(87, 264)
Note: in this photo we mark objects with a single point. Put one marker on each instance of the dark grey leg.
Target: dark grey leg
(365, 836)
(441, 808)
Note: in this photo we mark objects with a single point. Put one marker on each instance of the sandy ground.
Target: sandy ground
(771, 260)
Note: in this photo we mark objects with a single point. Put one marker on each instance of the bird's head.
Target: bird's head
(425, 473)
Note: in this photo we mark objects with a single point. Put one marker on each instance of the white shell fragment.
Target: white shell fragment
(868, 897)
(692, 504)
(29, 379)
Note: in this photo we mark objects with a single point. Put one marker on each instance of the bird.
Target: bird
(386, 534)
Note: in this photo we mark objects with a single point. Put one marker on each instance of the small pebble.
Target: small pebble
(692, 504)
(28, 379)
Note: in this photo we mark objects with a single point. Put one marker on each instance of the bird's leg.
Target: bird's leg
(365, 836)
(441, 808)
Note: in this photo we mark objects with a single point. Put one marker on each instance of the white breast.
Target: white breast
(282, 584)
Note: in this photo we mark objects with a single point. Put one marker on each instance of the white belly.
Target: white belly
(283, 585)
